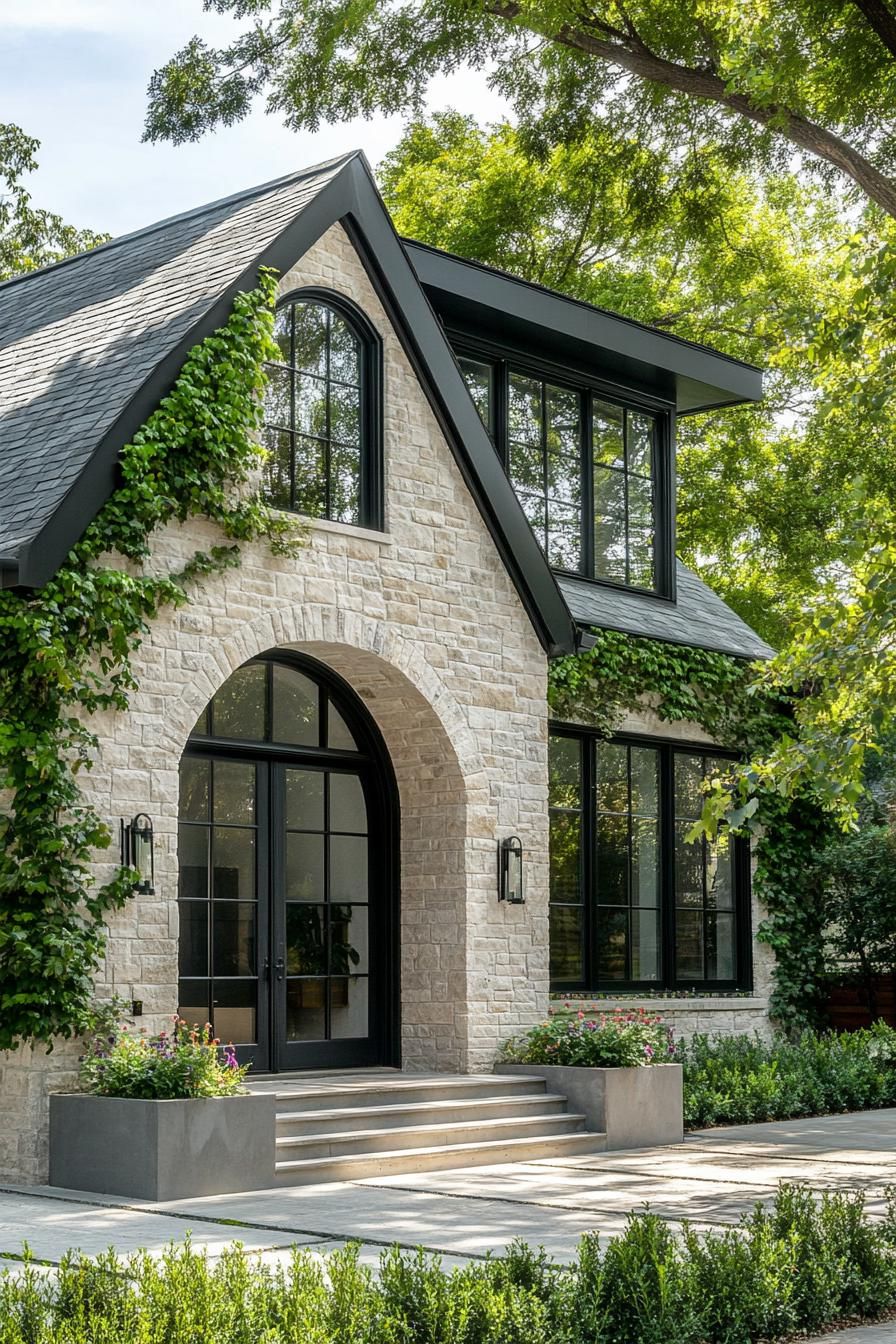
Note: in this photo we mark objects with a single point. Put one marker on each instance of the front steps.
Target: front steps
(349, 1126)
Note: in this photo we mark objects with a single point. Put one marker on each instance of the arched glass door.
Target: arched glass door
(285, 894)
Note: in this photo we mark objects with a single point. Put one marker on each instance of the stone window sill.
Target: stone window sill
(707, 1003)
(339, 529)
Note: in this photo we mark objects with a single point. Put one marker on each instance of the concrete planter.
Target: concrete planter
(162, 1150)
(635, 1108)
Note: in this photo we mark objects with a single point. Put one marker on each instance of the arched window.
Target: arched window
(322, 412)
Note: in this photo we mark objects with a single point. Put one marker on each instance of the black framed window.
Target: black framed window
(323, 412)
(633, 904)
(593, 473)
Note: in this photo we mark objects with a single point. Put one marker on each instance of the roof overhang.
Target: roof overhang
(477, 298)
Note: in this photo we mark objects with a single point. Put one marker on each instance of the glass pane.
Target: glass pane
(645, 767)
(349, 1012)
(612, 937)
(234, 792)
(192, 854)
(306, 1010)
(311, 338)
(233, 864)
(278, 468)
(609, 525)
(194, 1002)
(306, 940)
(566, 882)
(193, 944)
(645, 945)
(311, 406)
(563, 423)
(233, 938)
(564, 480)
(348, 811)
(238, 708)
(348, 868)
(641, 431)
(527, 468)
(194, 793)
(534, 508)
(201, 726)
(645, 863)
(304, 867)
(612, 777)
(607, 434)
(640, 532)
(688, 867)
(283, 332)
(305, 799)
(349, 942)
(345, 415)
(345, 352)
(689, 944)
(233, 1015)
(688, 786)
(566, 943)
(564, 757)
(278, 397)
(524, 409)
(720, 947)
(338, 735)
(612, 860)
(719, 877)
(310, 474)
(478, 378)
(345, 483)
(295, 708)
(564, 546)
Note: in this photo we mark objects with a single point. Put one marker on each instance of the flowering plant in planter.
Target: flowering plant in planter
(183, 1062)
(617, 1040)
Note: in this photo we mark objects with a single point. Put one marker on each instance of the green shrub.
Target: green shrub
(184, 1062)
(745, 1080)
(796, 1266)
(612, 1040)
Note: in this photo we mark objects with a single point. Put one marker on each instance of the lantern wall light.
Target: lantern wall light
(137, 852)
(510, 871)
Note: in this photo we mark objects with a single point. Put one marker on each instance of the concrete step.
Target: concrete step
(324, 1143)
(441, 1157)
(475, 1110)
(400, 1089)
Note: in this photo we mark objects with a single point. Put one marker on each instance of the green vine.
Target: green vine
(724, 697)
(66, 653)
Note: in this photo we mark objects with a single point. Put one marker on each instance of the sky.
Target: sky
(73, 73)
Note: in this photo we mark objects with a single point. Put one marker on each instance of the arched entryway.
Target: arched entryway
(287, 849)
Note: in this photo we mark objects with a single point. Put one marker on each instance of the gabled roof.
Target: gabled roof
(89, 347)
(698, 617)
(482, 299)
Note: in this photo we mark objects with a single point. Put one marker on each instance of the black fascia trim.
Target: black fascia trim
(371, 230)
(483, 287)
(352, 198)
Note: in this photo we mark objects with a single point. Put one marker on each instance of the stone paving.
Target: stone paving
(711, 1179)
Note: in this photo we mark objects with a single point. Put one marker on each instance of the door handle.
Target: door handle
(279, 968)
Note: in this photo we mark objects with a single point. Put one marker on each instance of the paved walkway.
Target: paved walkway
(711, 1179)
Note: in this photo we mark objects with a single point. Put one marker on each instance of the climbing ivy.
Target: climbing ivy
(66, 652)
(726, 698)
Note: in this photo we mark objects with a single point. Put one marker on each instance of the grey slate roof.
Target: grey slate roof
(77, 340)
(698, 617)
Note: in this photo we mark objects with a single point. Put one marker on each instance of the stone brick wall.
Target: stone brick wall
(423, 621)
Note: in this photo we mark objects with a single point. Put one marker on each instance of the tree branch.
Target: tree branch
(882, 19)
(705, 83)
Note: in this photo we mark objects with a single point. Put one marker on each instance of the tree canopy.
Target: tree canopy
(30, 237)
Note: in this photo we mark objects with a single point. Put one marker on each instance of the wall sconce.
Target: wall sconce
(137, 852)
(510, 870)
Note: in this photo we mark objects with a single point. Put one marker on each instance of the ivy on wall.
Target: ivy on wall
(66, 651)
(724, 696)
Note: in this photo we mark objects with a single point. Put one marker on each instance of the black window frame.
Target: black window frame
(742, 980)
(504, 361)
(371, 509)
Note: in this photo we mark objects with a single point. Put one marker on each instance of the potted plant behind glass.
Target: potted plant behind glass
(162, 1117)
(615, 1069)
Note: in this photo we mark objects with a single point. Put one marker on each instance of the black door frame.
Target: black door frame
(272, 1053)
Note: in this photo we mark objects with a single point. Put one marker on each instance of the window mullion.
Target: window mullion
(589, 858)
(667, 865)
(586, 479)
